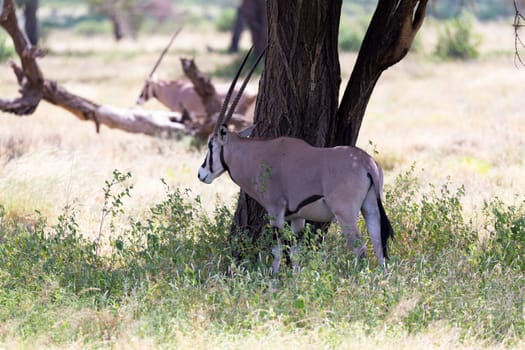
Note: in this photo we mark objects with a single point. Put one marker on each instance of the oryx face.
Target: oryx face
(213, 165)
(147, 92)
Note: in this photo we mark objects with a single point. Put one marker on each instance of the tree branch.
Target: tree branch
(518, 18)
(35, 87)
(31, 86)
(202, 85)
(388, 39)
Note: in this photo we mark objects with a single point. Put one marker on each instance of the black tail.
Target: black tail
(386, 228)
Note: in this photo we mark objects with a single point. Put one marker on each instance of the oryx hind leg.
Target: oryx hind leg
(348, 221)
(370, 211)
(297, 226)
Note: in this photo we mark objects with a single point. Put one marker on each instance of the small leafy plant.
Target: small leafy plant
(458, 40)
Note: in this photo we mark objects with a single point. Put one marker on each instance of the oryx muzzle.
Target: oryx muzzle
(295, 181)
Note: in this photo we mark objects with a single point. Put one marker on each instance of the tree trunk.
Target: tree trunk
(299, 88)
(387, 40)
(295, 101)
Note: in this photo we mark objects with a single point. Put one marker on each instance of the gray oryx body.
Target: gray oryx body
(295, 181)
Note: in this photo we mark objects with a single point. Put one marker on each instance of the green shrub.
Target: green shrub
(226, 19)
(457, 40)
(429, 222)
(351, 34)
(506, 242)
(6, 51)
(172, 269)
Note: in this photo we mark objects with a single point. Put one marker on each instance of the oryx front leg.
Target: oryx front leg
(277, 223)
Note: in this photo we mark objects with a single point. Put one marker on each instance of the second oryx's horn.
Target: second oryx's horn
(157, 63)
(163, 53)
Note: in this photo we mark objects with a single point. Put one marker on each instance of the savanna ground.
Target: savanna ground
(93, 257)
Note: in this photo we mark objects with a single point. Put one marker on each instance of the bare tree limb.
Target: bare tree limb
(34, 87)
(210, 99)
(518, 18)
(388, 39)
(202, 85)
(132, 120)
(31, 86)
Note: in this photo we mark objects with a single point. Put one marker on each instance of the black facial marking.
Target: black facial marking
(210, 156)
(223, 162)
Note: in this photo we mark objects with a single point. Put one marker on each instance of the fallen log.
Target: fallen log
(34, 87)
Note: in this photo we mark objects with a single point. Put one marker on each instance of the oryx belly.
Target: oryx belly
(313, 209)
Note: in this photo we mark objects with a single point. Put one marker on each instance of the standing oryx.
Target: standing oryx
(295, 181)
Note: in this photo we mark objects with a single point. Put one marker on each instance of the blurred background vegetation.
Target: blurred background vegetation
(131, 18)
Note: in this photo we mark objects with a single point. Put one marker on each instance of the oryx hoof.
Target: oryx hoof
(360, 252)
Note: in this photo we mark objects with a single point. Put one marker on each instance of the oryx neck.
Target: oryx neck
(236, 157)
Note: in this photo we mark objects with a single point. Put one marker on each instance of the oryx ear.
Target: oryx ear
(248, 132)
(223, 134)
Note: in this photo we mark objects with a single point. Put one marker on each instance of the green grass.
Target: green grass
(170, 275)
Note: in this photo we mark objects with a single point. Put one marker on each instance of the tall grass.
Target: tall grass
(171, 273)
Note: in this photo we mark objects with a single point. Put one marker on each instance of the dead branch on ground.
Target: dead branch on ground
(34, 87)
(210, 99)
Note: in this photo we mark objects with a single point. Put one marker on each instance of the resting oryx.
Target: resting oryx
(180, 94)
(295, 181)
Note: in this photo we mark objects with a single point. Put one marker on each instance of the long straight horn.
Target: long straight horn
(164, 52)
(156, 65)
(229, 93)
(243, 86)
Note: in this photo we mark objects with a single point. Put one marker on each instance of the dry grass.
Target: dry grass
(462, 120)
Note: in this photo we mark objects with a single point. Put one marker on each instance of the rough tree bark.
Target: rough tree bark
(299, 88)
(298, 92)
(29, 76)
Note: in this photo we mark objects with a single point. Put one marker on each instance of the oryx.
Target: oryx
(295, 181)
(179, 95)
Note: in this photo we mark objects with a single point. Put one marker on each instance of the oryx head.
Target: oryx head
(214, 165)
(148, 90)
